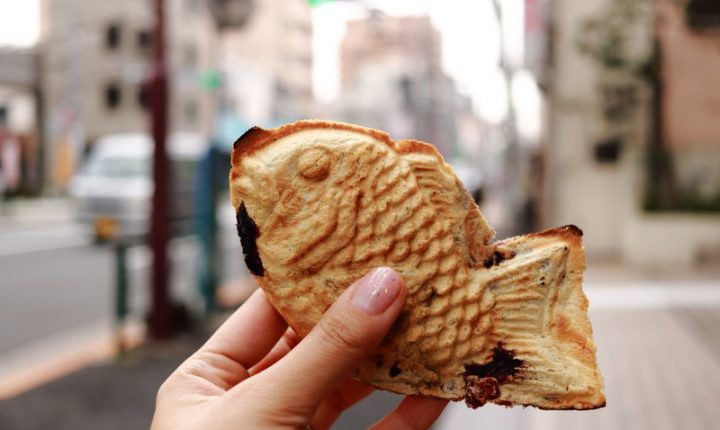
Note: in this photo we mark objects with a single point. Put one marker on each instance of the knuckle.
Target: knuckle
(342, 335)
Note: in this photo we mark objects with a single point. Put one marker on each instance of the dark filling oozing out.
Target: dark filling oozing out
(483, 381)
(248, 232)
(496, 258)
(502, 365)
(394, 370)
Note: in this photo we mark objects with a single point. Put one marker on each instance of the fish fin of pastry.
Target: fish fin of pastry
(446, 193)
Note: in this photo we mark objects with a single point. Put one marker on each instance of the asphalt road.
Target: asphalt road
(47, 292)
(54, 280)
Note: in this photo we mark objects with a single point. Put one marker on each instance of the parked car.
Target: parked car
(114, 187)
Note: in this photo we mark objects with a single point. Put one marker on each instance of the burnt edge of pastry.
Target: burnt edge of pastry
(584, 407)
(248, 232)
(570, 229)
(256, 137)
(252, 132)
(482, 381)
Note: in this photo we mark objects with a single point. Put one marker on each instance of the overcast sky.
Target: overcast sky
(470, 44)
(19, 22)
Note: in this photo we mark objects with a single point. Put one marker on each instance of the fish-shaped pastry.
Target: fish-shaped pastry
(319, 204)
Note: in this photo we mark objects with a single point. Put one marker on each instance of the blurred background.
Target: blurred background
(602, 113)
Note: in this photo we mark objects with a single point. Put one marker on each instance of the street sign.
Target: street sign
(210, 79)
(315, 3)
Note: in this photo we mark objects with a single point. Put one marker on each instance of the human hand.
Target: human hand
(255, 373)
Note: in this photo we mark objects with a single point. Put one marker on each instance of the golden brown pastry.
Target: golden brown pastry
(319, 204)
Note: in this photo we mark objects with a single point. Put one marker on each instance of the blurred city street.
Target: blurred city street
(58, 285)
(117, 123)
(50, 267)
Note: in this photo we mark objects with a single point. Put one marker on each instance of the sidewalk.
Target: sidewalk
(110, 395)
(36, 210)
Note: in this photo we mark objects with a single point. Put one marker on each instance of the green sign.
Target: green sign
(316, 3)
(210, 79)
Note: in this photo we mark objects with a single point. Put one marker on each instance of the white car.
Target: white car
(113, 189)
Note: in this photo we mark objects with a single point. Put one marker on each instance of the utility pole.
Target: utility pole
(160, 313)
(514, 176)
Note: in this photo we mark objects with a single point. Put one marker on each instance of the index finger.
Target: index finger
(250, 333)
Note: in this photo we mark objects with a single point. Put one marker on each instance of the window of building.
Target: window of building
(144, 39)
(112, 36)
(143, 98)
(608, 151)
(190, 56)
(191, 111)
(113, 95)
(703, 14)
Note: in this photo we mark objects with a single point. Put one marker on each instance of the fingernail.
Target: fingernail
(376, 291)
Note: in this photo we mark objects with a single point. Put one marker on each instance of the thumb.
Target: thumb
(348, 332)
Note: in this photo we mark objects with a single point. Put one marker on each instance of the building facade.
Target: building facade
(95, 58)
(19, 140)
(604, 114)
(392, 79)
(267, 63)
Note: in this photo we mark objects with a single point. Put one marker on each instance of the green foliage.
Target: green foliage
(604, 37)
(686, 200)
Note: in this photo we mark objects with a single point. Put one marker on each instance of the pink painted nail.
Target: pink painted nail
(376, 291)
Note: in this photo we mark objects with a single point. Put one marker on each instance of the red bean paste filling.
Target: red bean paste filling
(248, 232)
(482, 381)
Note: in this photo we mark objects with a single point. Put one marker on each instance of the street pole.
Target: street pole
(160, 313)
(513, 176)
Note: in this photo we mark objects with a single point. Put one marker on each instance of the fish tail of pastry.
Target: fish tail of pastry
(531, 346)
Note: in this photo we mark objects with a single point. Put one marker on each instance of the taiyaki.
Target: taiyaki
(319, 204)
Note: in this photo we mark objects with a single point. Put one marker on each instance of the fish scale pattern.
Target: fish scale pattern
(396, 226)
(456, 321)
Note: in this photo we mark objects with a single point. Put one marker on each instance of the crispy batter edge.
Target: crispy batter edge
(257, 138)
